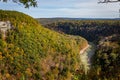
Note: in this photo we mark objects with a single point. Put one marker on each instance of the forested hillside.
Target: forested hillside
(106, 61)
(89, 29)
(32, 52)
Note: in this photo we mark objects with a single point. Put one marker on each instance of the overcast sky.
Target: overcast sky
(67, 8)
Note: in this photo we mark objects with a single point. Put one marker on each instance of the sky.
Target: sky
(67, 8)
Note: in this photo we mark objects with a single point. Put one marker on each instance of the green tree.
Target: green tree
(26, 3)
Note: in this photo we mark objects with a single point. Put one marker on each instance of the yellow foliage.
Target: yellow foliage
(7, 75)
(28, 72)
(1, 56)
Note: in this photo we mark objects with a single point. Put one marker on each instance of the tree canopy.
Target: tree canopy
(26, 3)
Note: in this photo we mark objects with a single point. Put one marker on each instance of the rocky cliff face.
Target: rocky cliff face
(4, 26)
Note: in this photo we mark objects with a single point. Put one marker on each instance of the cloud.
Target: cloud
(67, 8)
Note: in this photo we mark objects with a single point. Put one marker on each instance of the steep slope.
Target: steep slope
(32, 52)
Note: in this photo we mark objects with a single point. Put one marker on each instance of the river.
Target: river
(85, 56)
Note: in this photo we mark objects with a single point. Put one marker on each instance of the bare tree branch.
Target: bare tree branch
(108, 1)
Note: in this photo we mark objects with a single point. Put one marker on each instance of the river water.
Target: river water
(86, 57)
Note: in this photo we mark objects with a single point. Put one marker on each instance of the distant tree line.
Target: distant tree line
(90, 29)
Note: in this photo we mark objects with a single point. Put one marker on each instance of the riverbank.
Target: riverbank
(84, 49)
